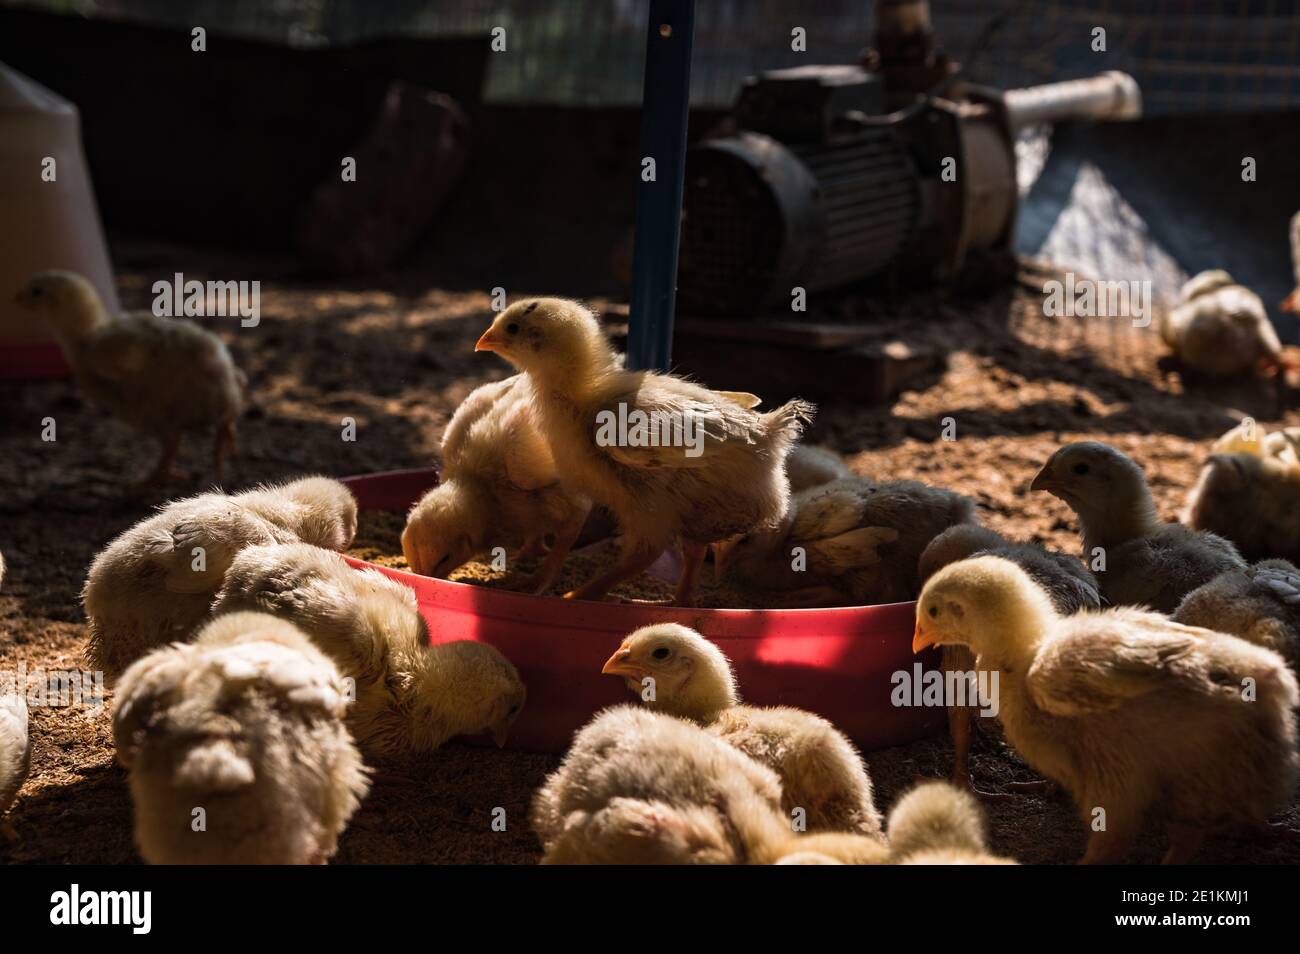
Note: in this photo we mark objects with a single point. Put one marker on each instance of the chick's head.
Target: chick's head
(64, 301)
(465, 688)
(326, 515)
(987, 604)
(551, 338)
(1090, 476)
(959, 542)
(690, 676)
(446, 528)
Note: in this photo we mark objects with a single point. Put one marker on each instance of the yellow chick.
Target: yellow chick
(410, 696)
(1070, 585)
(670, 459)
(1221, 328)
(851, 538)
(1250, 437)
(243, 729)
(1260, 604)
(639, 787)
(677, 671)
(809, 466)
(163, 376)
(937, 824)
(499, 482)
(1146, 562)
(1251, 500)
(154, 583)
(1292, 301)
(1130, 712)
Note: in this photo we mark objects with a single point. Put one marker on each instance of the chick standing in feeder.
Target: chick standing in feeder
(1067, 582)
(820, 771)
(499, 481)
(244, 725)
(1130, 712)
(163, 376)
(851, 539)
(707, 469)
(410, 696)
(1221, 328)
(638, 787)
(155, 582)
(1260, 604)
(1147, 563)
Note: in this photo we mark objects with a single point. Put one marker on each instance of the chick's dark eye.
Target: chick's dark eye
(1080, 468)
(934, 611)
(661, 653)
(512, 328)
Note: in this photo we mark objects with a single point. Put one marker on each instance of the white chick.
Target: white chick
(638, 787)
(163, 376)
(809, 466)
(1260, 604)
(1252, 501)
(1221, 328)
(1070, 585)
(936, 824)
(499, 483)
(246, 725)
(821, 773)
(1130, 712)
(693, 465)
(1147, 563)
(15, 744)
(155, 582)
(857, 538)
(410, 696)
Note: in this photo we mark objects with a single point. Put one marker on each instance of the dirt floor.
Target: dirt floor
(398, 362)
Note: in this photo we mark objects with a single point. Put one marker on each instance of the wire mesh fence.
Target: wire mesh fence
(1189, 56)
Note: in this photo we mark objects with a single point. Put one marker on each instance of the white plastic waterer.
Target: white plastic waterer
(44, 223)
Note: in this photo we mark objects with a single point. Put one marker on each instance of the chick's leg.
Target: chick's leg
(549, 571)
(1184, 842)
(692, 564)
(960, 727)
(634, 561)
(223, 445)
(1110, 845)
(165, 469)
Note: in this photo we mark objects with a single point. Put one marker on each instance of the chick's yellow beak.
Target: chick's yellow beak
(921, 639)
(1292, 301)
(621, 664)
(489, 342)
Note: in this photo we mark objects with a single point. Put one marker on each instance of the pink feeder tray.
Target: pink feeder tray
(839, 663)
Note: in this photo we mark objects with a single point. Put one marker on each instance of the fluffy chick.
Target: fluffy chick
(809, 466)
(1260, 604)
(820, 771)
(246, 723)
(1129, 711)
(1251, 500)
(639, 787)
(859, 538)
(736, 481)
(163, 376)
(1221, 328)
(410, 696)
(15, 743)
(936, 824)
(1070, 585)
(499, 481)
(155, 582)
(1147, 563)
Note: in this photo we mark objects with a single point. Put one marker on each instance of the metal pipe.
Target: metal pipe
(665, 103)
(1109, 95)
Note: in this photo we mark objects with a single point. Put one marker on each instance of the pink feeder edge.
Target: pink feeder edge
(839, 663)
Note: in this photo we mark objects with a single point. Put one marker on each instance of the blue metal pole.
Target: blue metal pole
(665, 103)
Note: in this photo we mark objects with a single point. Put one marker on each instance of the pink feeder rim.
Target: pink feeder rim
(839, 662)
